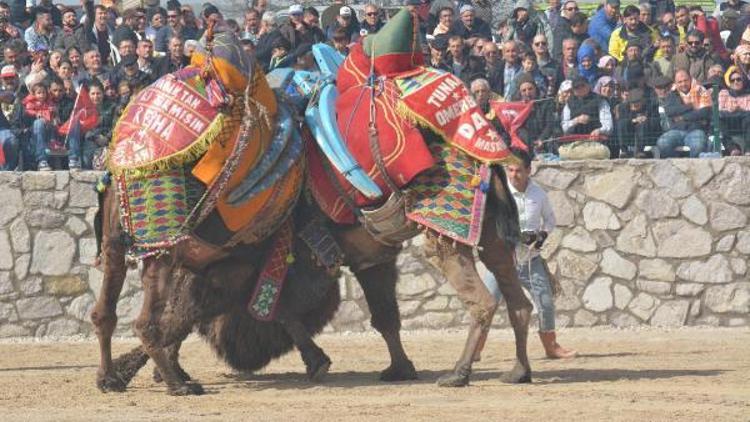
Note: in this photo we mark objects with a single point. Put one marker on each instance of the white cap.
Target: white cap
(345, 11)
(295, 9)
(566, 85)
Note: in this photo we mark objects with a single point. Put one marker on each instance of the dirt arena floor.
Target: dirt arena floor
(640, 375)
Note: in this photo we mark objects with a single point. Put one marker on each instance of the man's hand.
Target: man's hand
(541, 236)
(582, 119)
(639, 119)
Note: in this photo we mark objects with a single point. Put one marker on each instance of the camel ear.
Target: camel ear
(395, 48)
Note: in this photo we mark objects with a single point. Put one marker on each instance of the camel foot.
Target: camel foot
(126, 366)
(318, 371)
(458, 378)
(403, 371)
(110, 383)
(518, 375)
(184, 376)
(187, 389)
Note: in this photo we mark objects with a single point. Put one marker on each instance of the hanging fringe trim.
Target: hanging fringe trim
(185, 156)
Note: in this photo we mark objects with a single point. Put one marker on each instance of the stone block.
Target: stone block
(39, 199)
(695, 308)
(700, 171)
(438, 303)
(6, 284)
(689, 289)
(8, 312)
(67, 285)
(30, 286)
(565, 214)
(13, 330)
(575, 266)
(96, 277)
(671, 314)
(743, 242)
(349, 313)
(12, 203)
(665, 175)
(21, 268)
(62, 178)
(623, 295)
(579, 240)
(62, 328)
(617, 266)
(657, 204)
(636, 238)
(694, 210)
(656, 269)
(584, 318)
(33, 180)
(87, 176)
(87, 251)
(643, 306)
(82, 195)
(599, 216)
(624, 320)
(716, 269)
(76, 225)
(80, 308)
(725, 244)
(726, 217)
(614, 187)
(598, 296)
(20, 237)
(551, 244)
(409, 307)
(53, 253)
(733, 184)
(411, 285)
(739, 265)
(430, 320)
(734, 297)
(38, 307)
(603, 239)
(554, 178)
(655, 287)
(128, 308)
(679, 239)
(44, 218)
(6, 253)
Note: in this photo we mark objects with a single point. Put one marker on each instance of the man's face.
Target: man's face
(569, 9)
(188, 17)
(101, 17)
(667, 48)
(175, 47)
(518, 175)
(745, 58)
(140, 19)
(539, 45)
(446, 18)
(371, 14)
(456, 48)
(96, 94)
(611, 11)
(311, 20)
(528, 91)
(127, 48)
(645, 16)
(683, 82)
(481, 93)
(5, 12)
(580, 28)
(10, 82)
(555, 4)
(633, 53)
(569, 50)
(251, 20)
(345, 21)
(10, 56)
(64, 71)
(467, 18)
(695, 45)
(510, 52)
(44, 20)
(436, 54)
(131, 70)
(522, 15)
(145, 50)
(669, 21)
(490, 52)
(173, 18)
(682, 17)
(156, 20)
(69, 19)
(93, 60)
(295, 18)
(56, 91)
(631, 22)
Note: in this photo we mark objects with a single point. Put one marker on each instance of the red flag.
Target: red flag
(512, 115)
(84, 111)
(584, 137)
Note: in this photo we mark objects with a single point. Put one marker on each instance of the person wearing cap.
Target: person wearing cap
(347, 21)
(295, 28)
(331, 13)
(637, 124)
(526, 23)
(734, 111)
(586, 113)
(42, 33)
(438, 47)
(632, 31)
(696, 60)
(247, 41)
(8, 139)
(127, 70)
(688, 107)
(469, 26)
(604, 22)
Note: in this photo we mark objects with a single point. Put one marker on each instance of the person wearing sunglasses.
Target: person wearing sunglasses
(696, 60)
(563, 29)
(373, 20)
(734, 112)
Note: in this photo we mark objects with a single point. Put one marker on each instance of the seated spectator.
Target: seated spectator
(10, 29)
(696, 60)
(742, 62)
(5, 34)
(734, 109)
(663, 66)
(469, 26)
(346, 21)
(457, 55)
(38, 70)
(39, 111)
(93, 143)
(42, 33)
(146, 59)
(251, 25)
(538, 127)
(127, 71)
(55, 57)
(445, 22)
(480, 90)
(530, 67)
(668, 28)
(607, 66)
(562, 30)
(633, 31)
(637, 125)
(66, 38)
(475, 68)
(373, 20)
(525, 24)
(494, 66)
(8, 139)
(569, 58)
(76, 60)
(688, 107)
(662, 86)
(280, 54)
(341, 42)
(633, 63)
(579, 27)
(190, 28)
(586, 58)
(511, 67)
(159, 33)
(607, 88)
(438, 47)
(175, 59)
(586, 113)
(94, 69)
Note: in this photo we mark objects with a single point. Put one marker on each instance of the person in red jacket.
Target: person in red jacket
(41, 110)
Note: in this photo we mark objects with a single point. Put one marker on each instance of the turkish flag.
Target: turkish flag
(84, 111)
(512, 115)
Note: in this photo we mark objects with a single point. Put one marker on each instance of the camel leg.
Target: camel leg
(154, 334)
(104, 314)
(379, 286)
(316, 361)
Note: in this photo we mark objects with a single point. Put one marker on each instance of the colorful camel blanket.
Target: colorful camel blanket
(451, 197)
(265, 298)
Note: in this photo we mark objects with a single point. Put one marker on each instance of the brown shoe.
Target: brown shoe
(552, 349)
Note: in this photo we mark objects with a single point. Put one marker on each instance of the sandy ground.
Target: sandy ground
(644, 375)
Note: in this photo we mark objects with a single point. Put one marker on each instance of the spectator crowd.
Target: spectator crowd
(645, 77)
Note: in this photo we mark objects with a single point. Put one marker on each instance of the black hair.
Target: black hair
(523, 156)
(578, 19)
(631, 10)
(311, 11)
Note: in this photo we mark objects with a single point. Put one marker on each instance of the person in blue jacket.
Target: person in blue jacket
(604, 22)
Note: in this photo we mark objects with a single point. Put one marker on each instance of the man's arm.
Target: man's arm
(567, 122)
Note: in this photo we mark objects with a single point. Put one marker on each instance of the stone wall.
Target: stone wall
(637, 243)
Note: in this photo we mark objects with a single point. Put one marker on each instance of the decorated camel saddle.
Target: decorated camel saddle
(383, 126)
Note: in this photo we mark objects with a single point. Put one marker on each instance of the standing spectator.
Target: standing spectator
(11, 29)
(347, 22)
(190, 28)
(668, 27)
(511, 68)
(47, 6)
(531, 69)
(126, 47)
(75, 59)
(469, 26)
(688, 108)
(66, 38)
(549, 67)
(579, 26)
(526, 23)
(445, 22)
(552, 12)
(457, 56)
(145, 52)
(637, 124)
(663, 65)
(604, 22)
(586, 113)
(251, 23)
(158, 33)
(646, 15)
(95, 33)
(494, 66)
(18, 14)
(127, 29)
(682, 19)
(696, 60)
(569, 57)
(314, 34)
(437, 53)
(633, 31)
(331, 13)
(563, 31)
(373, 21)
(128, 72)
(5, 36)
(729, 22)
(42, 33)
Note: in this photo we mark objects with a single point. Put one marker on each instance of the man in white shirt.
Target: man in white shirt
(537, 220)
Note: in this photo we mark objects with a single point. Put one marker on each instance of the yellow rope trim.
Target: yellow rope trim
(407, 113)
(196, 150)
